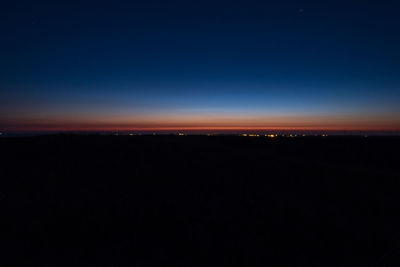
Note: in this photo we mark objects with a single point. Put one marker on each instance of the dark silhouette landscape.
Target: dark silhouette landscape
(166, 200)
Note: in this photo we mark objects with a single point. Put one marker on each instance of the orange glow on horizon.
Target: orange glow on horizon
(188, 129)
(191, 122)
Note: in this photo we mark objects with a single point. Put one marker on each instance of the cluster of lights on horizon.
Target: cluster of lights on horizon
(243, 135)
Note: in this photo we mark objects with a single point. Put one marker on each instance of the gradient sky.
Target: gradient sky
(134, 65)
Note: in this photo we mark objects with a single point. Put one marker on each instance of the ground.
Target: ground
(71, 200)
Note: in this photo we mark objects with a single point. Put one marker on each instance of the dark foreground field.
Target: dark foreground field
(200, 201)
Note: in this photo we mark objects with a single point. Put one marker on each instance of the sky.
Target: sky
(199, 65)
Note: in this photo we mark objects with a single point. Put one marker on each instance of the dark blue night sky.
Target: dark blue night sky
(91, 65)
